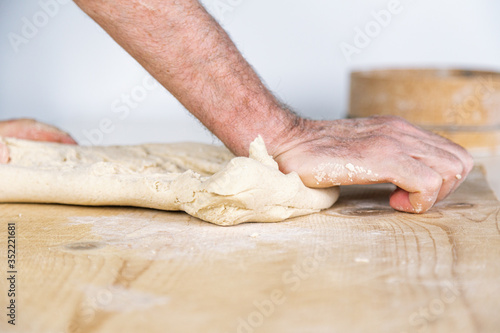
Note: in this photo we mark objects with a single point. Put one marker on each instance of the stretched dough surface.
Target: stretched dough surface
(205, 181)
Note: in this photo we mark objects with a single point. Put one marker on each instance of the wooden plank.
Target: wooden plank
(357, 267)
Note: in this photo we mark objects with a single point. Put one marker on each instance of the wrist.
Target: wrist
(284, 132)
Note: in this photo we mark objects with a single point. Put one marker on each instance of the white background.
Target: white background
(70, 72)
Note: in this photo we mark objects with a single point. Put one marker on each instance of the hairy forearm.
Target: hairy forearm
(185, 49)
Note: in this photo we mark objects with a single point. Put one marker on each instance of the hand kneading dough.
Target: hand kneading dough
(205, 181)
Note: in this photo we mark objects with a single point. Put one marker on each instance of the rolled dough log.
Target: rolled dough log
(205, 181)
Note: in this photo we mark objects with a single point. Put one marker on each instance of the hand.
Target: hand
(424, 166)
(29, 129)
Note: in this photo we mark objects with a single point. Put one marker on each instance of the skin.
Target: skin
(425, 166)
(29, 129)
(185, 49)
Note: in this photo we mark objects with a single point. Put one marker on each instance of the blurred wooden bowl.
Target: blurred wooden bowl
(463, 105)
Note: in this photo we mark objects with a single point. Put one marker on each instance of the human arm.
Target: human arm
(185, 49)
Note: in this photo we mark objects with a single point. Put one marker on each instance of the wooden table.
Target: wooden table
(357, 267)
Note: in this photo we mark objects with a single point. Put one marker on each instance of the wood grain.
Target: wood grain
(357, 267)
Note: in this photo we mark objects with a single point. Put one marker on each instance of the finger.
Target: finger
(441, 142)
(44, 135)
(421, 183)
(4, 153)
(453, 149)
(452, 176)
(400, 200)
(399, 128)
(58, 137)
(29, 129)
(44, 132)
(449, 166)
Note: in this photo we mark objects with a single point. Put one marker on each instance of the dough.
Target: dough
(205, 181)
